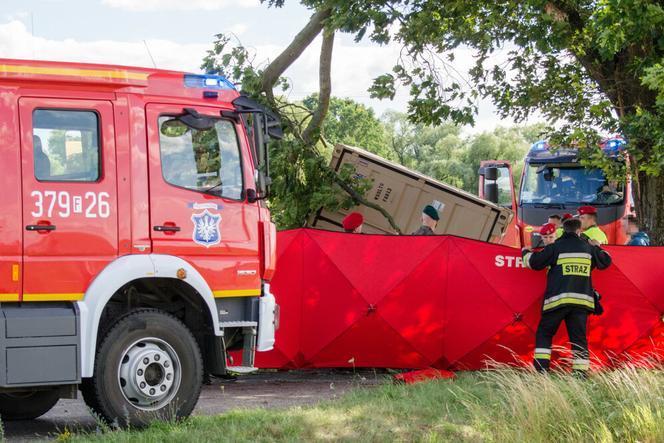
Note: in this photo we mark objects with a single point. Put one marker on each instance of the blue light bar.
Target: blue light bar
(612, 146)
(542, 151)
(207, 81)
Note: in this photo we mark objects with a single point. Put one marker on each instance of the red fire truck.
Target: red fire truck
(135, 248)
(554, 182)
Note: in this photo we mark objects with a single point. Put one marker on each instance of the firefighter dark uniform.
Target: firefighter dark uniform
(569, 295)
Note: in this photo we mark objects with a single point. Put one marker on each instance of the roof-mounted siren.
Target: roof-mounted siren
(211, 84)
(543, 151)
(539, 148)
(613, 146)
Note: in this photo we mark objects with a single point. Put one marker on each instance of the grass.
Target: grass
(505, 405)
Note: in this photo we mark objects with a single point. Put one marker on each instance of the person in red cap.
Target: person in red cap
(548, 233)
(353, 223)
(557, 222)
(588, 217)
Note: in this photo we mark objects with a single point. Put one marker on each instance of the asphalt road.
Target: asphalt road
(267, 390)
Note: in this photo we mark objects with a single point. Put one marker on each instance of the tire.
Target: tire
(87, 389)
(27, 405)
(148, 367)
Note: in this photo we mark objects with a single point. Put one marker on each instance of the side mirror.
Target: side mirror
(491, 192)
(490, 173)
(252, 197)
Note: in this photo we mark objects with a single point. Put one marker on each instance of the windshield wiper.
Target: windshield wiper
(549, 205)
(212, 188)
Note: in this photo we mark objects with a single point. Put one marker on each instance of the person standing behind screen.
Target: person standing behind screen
(636, 236)
(430, 219)
(555, 220)
(548, 233)
(353, 223)
(588, 217)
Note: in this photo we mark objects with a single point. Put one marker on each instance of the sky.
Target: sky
(177, 33)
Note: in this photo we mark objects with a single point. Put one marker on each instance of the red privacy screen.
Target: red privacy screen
(351, 300)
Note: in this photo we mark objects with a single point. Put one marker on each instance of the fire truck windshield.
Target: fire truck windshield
(568, 185)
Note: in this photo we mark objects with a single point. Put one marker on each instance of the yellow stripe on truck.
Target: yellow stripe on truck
(75, 72)
(237, 293)
(8, 297)
(70, 296)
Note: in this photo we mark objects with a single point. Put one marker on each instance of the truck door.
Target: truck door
(11, 228)
(70, 230)
(198, 210)
(503, 193)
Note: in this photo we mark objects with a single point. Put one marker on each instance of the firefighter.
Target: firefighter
(569, 292)
(559, 229)
(430, 219)
(353, 223)
(588, 217)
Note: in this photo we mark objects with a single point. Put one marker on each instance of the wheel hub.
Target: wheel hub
(149, 373)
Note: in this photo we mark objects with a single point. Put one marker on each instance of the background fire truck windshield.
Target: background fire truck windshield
(569, 185)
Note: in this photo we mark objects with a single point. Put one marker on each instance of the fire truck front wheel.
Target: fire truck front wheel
(27, 405)
(147, 367)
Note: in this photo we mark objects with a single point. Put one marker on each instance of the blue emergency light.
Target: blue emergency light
(207, 81)
(613, 146)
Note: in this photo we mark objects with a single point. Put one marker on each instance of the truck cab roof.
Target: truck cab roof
(143, 81)
(542, 152)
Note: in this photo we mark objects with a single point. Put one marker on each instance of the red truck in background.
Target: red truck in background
(554, 182)
(135, 248)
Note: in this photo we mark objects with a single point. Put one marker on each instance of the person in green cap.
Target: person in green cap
(430, 219)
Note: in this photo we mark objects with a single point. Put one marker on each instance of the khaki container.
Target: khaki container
(403, 193)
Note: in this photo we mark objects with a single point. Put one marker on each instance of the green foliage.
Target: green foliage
(351, 123)
(441, 152)
(301, 179)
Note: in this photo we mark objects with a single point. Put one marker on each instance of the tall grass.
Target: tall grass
(624, 405)
(501, 405)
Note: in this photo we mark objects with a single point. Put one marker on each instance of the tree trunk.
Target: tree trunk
(293, 51)
(650, 206)
(312, 132)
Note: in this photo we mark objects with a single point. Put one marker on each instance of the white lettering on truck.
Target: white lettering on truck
(509, 261)
(96, 204)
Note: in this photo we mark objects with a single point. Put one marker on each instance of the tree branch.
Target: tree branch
(325, 89)
(302, 40)
(360, 199)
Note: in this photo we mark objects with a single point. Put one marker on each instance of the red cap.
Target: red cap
(567, 216)
(352, 221)
(548, 229)
(586, 210)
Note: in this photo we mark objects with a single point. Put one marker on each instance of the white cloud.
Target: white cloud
(17, 42)
(237, 29)
(353, 66)
(178, 5)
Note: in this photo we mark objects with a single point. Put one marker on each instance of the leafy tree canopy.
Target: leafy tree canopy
(589, 67)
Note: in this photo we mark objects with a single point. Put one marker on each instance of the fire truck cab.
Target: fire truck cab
(554, 181)
(135, 247)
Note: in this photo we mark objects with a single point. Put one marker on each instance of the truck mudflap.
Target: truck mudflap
(268, 320)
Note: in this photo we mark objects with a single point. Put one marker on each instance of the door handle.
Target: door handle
(40, 228)
(166, 228)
